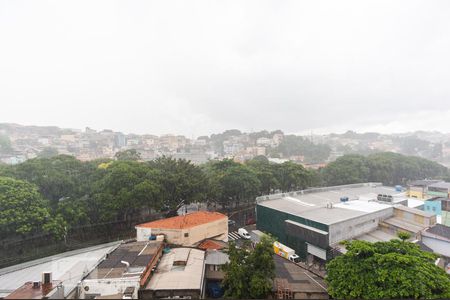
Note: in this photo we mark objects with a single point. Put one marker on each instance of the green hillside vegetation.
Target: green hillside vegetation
(73, 193)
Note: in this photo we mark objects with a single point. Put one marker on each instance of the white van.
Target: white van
(244, 233)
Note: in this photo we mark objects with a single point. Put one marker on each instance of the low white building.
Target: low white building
(123, 272)
(186, 230)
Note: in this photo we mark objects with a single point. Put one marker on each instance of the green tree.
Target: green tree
(122, 190)
(250, 274)
(403, 235)
(347, 169)
(58, 178)
(233, 182)
(130, 154)
(291, 176)
(23, 210)
(180, 181)
(264, 170)
(386, 270)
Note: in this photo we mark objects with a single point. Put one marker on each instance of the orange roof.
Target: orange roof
(186, 221)
(209, 244)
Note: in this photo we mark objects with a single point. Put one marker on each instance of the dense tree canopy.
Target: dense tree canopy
(23, 210)
(179, 181)
(231, 182)
(76, 193)
(265, 171)
(57, 177)
(124, 188)
(249, 274)
(347, 169)
(291, 176)
(386, 270)
(130, 154)
(387, 167)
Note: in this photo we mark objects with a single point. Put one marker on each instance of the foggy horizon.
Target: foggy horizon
(204, 67)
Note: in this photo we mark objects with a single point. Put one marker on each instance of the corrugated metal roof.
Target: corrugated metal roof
(68, 267)
(215, 257)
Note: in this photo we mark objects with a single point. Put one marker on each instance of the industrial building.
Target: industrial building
(313, 222)
(123, 271)
(179, 274)
(186, 230)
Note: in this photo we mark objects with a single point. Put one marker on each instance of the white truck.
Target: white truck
(286, 252)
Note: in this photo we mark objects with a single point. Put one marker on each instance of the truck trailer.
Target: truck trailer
(286, 252)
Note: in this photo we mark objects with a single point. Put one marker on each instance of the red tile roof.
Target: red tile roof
(210, 245)
(186, 221)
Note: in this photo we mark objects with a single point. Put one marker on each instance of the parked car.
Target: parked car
(244, 233)
(231, 223)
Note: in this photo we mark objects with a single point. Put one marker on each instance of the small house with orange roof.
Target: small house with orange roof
(186, 230)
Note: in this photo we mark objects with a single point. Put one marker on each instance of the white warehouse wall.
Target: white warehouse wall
(357, 226)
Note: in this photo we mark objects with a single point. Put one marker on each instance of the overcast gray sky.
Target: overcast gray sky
(198, 67)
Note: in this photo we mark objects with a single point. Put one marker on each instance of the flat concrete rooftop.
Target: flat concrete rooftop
(322, 196)
(329, 216)
(313, 204)
(180, 269)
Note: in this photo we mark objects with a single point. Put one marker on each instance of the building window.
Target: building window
(186, 234)
(434, 208)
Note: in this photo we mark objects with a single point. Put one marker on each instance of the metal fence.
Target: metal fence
(21, 249)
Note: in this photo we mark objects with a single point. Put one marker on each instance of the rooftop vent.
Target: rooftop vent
(36, 284)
